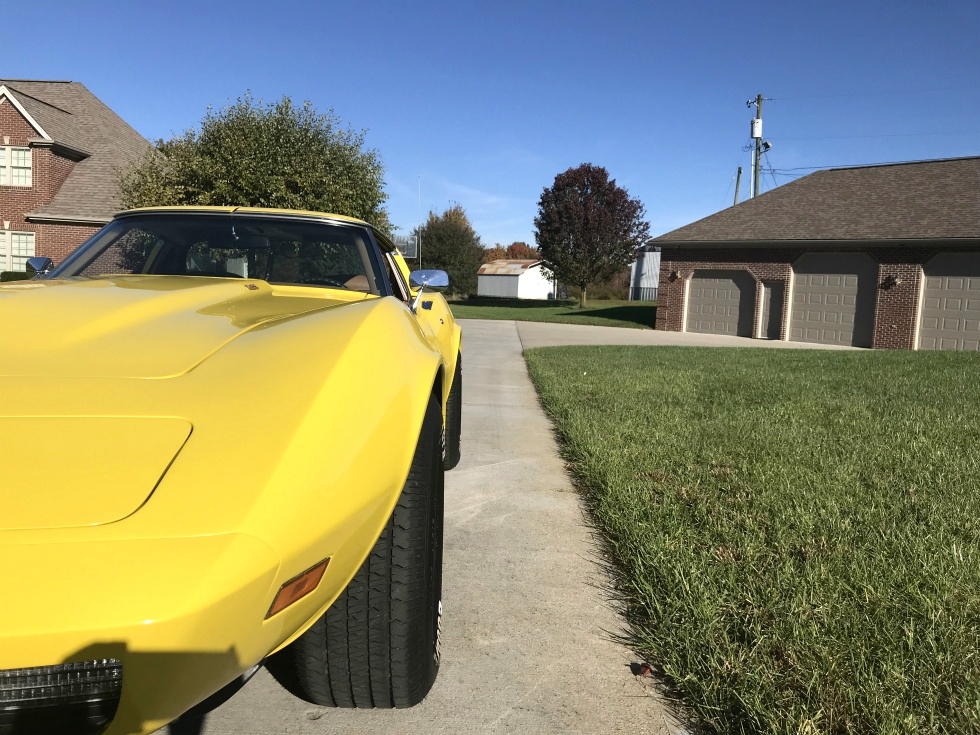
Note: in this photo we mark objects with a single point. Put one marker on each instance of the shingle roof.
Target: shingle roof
(937, 199)
(507, 267)
(72, 116)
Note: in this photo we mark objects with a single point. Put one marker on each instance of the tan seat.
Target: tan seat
(358, 283)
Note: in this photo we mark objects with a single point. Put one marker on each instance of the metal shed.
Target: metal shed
(645, 275)
(516, 279)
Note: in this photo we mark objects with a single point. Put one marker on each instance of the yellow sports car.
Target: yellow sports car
(222, 441)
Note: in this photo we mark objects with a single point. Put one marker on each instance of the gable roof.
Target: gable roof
(508, 267)
(75, 122)
(922, 200)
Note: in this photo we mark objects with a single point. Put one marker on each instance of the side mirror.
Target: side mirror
(39, 266)
(431, 279)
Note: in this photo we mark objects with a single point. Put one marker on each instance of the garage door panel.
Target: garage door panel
(951, 303)
(721, 302)
(836, 290)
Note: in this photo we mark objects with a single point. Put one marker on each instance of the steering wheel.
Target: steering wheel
(321, 282)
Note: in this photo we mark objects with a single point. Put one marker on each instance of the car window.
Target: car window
(126, 252)
(275, 250)
(398, 286)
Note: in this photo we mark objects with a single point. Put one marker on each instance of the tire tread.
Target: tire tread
(373, 646)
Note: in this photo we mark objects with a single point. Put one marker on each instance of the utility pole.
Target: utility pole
(738, 183)
(761, 146)
(419, 243)
(757, 135)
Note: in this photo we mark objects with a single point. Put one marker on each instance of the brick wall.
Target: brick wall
(896, 300)
(14, 126)
(57, 241)
(49, 173)
(897, 304)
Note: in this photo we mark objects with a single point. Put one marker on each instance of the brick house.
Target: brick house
(883, 256)
(61, 154)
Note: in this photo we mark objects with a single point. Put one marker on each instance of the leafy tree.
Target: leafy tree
(514, 251)
(450, 243)
(587, 227)
(522, 251)
(497, 252)
(254, 154)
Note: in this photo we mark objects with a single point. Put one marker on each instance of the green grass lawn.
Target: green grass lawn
(795, 533)
(633, 314)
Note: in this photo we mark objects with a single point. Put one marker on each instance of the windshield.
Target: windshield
(278, 250)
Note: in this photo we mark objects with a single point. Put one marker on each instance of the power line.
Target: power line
(880, 135)
(878, 94)
(804, 169)
(842, 165)
(770, 170)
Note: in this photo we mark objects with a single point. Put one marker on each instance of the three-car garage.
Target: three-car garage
(833, 299)
(883, 256)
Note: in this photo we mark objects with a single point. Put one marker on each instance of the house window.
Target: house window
(15, 166)
(15, 249)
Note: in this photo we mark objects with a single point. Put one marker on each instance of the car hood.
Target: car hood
(138, 326)
(133, 454)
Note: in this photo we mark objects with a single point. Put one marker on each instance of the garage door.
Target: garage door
(834, 299)
(721, 302)
(951, 303)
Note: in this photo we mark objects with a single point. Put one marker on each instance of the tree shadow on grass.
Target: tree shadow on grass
(514, 303)
(644, 315)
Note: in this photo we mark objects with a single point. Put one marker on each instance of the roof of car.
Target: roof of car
(380, 237)
(249, 210)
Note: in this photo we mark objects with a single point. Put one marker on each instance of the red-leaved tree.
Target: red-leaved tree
(587, 227)
(522, 251)
(497, 252)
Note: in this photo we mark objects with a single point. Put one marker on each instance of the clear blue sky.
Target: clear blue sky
(485, 102)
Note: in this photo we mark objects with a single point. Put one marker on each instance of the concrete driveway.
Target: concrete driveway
(542, 334)
(528, 622)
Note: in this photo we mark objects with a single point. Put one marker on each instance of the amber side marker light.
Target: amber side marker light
(297, 588)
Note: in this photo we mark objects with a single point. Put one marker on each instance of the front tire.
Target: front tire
(454, 417)
(379, 644)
